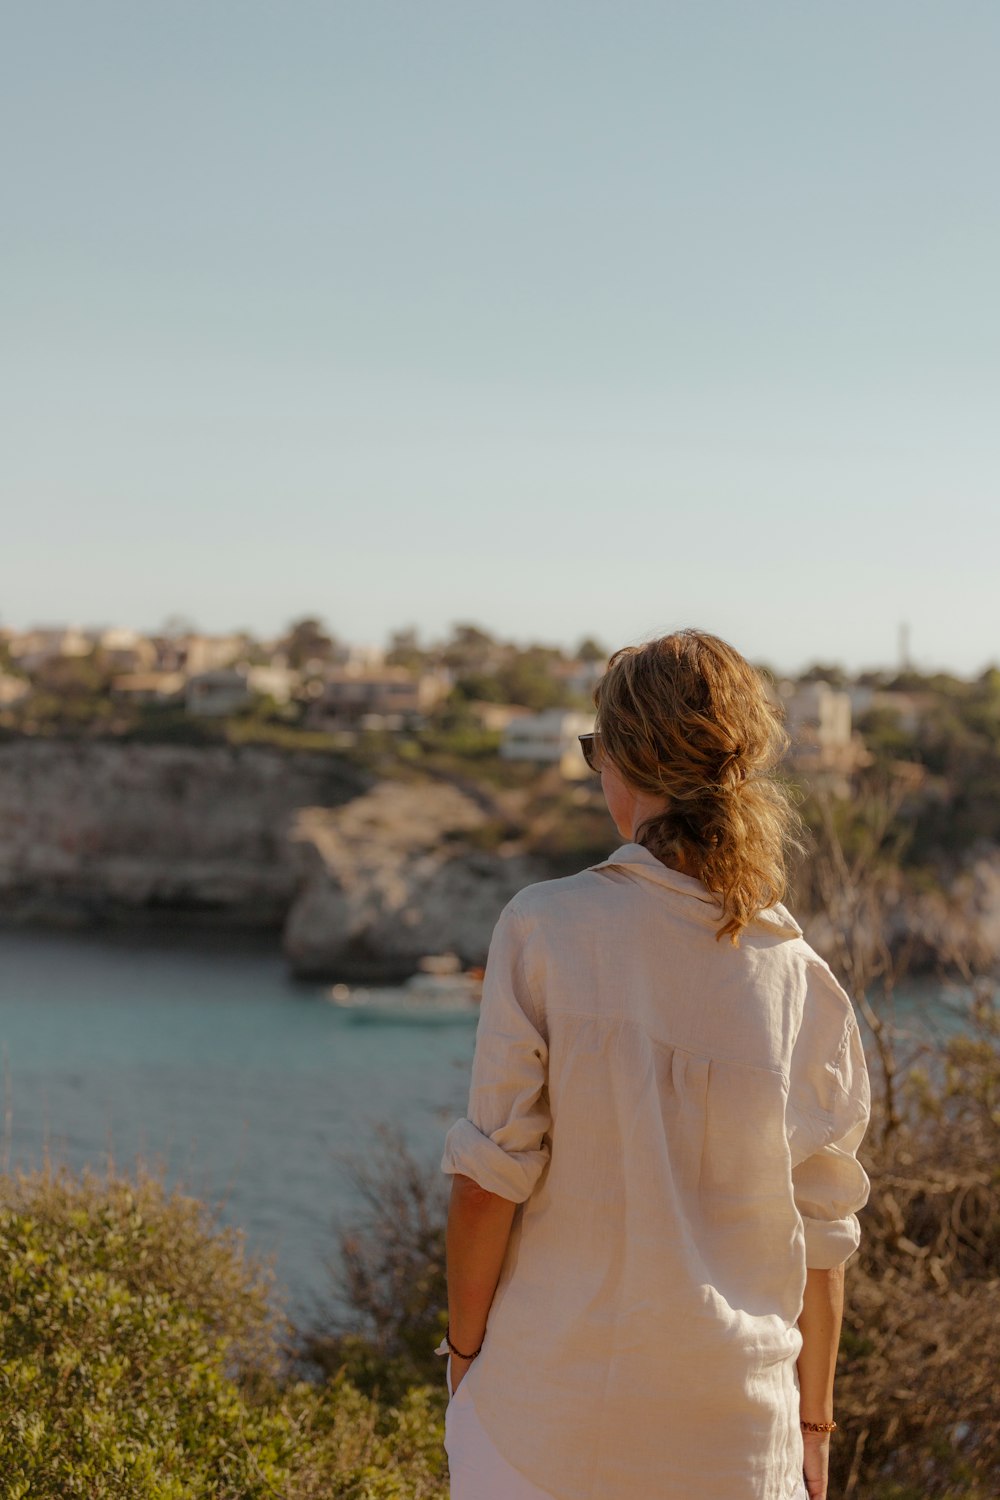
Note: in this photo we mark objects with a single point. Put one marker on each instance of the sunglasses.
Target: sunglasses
(588, 744)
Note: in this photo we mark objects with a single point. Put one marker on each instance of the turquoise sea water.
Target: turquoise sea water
(247, 1085)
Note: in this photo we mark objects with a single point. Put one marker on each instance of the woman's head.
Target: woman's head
(690, 741)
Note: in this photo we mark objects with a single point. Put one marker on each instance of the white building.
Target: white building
(358, 656)
(495, 717)
(817, 716)
(226, 690)
(824, 745)
(549, 738)
(202, 654)
(277, 682)
(126, 651)
(384, 697)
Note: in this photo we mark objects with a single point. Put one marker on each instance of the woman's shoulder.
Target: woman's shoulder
(590, 894)
(558, 896)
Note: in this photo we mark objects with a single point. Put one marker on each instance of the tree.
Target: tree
(483, 687)
(305, 641)
(590, 650)
(830, 672)
(882, 731)
(527, 679)
(470, 649)
(404, 650)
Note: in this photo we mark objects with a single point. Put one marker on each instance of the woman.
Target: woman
(656, 1186)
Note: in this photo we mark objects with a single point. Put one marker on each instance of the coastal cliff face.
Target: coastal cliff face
(391, 876)
(94, 832)
(360, 876)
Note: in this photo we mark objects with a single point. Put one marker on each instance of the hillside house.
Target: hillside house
(549, 738)
(126, 651)
(824, 742)
(31, 649)
(387, 697)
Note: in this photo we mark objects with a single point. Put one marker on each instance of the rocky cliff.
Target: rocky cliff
(360, 876)
(391, 876)
(94, 831)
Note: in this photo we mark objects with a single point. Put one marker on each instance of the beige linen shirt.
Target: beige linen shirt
(678, 1121)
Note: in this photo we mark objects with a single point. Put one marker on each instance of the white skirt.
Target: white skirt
(477, 1470)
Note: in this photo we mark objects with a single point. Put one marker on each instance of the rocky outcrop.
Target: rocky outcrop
(392, 875)
(93, 831)
(361, 876)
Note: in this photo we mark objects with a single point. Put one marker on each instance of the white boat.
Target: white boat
(440, 992)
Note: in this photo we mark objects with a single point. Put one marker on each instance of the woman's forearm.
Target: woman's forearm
(819, 1323)
(475, 1244)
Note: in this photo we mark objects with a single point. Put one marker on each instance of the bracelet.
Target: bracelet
(451, 1346)
(818, 1426)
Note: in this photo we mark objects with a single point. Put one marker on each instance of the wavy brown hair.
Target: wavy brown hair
(687, 716)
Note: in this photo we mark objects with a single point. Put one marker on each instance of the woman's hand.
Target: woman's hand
(459, 1367)
(816, 1463)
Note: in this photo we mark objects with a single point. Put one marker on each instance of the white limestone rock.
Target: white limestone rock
(390, 877)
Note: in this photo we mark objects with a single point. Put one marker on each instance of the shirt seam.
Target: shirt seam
(567, 1010)
(538, 1017)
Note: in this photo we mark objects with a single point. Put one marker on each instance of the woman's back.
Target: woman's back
(677, 1119)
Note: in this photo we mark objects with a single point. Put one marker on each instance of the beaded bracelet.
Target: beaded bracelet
(451, 1346)
(819, 1426)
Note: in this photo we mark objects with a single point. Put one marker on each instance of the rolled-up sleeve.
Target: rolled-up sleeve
(503, 1142)
(828, 1112)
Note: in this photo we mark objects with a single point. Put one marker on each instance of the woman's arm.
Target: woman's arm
(475, 1244)
(819, 1324)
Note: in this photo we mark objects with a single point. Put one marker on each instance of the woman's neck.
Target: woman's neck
(675, 862)
(679, 866)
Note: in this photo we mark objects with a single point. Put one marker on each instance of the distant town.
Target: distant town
(532, 702)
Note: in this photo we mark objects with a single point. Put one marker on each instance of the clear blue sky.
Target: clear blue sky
(561, 317)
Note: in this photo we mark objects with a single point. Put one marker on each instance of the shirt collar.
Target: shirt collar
(638, 858)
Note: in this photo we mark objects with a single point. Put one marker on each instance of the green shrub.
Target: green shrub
(141, 1356)
(118, 1314)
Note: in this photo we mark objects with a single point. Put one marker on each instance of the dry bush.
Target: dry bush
(917, 1377)
(389, 1275)
(917, 1372)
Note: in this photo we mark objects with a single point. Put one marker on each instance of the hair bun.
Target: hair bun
(733, 757)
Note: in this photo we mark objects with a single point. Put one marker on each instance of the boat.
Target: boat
(440, 992)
